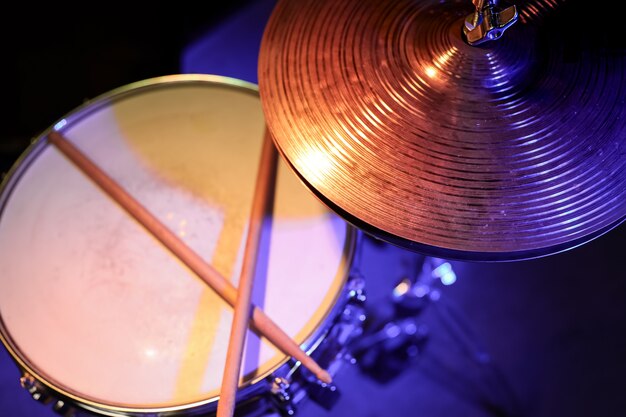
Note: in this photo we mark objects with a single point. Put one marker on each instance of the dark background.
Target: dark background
(54, 58)
(555, 327)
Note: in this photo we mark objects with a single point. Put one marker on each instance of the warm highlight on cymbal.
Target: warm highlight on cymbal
(511, 150)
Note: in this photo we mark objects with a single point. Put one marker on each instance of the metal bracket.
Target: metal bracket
(488, 22)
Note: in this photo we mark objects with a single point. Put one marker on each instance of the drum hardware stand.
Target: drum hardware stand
(394, 335)
(502, 400)
(330, 352)
(488, 22)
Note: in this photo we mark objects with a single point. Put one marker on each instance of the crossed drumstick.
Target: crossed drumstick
(245, 313)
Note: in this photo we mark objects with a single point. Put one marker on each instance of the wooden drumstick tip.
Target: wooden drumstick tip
(324, 376)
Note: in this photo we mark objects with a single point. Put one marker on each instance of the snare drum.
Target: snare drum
(98, 315)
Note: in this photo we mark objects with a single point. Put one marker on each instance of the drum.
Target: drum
(101, 318)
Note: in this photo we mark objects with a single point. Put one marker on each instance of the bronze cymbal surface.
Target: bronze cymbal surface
(512, 150)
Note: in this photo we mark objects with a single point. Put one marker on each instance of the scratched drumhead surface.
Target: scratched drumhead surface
(99, 309)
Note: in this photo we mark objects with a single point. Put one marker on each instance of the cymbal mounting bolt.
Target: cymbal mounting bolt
(488, 22)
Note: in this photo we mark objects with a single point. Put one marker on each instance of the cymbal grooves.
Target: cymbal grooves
(512, 150)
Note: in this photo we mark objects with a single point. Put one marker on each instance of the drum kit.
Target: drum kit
(481, 132)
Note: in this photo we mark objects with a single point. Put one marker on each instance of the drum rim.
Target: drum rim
(30, 154)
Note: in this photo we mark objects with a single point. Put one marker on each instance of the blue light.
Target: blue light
(445, 273)
(448, 279)
(60, 124)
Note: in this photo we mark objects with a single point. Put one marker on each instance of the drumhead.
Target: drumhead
(97, 309)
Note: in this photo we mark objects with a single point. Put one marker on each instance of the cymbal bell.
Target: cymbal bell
(510, 150)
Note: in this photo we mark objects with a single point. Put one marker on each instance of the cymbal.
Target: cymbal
(510, 150)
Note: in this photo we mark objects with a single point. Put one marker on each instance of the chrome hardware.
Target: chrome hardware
(488, 22)
(39, 393)
(280, 388)
(356, 288)
(36, 391)
(63, 409)
(281, 393)
(394, 333)
(27, 382)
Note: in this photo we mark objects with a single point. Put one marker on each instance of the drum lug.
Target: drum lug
(39, 393)
(281, 393)
(63, 408)
(350, 324)
(34, 388)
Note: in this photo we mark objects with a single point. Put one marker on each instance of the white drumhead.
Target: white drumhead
(96, 307)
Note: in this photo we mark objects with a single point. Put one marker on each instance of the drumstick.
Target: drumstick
(261, 209)
(261, 322)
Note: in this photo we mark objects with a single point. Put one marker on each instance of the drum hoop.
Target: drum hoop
(30, 155)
